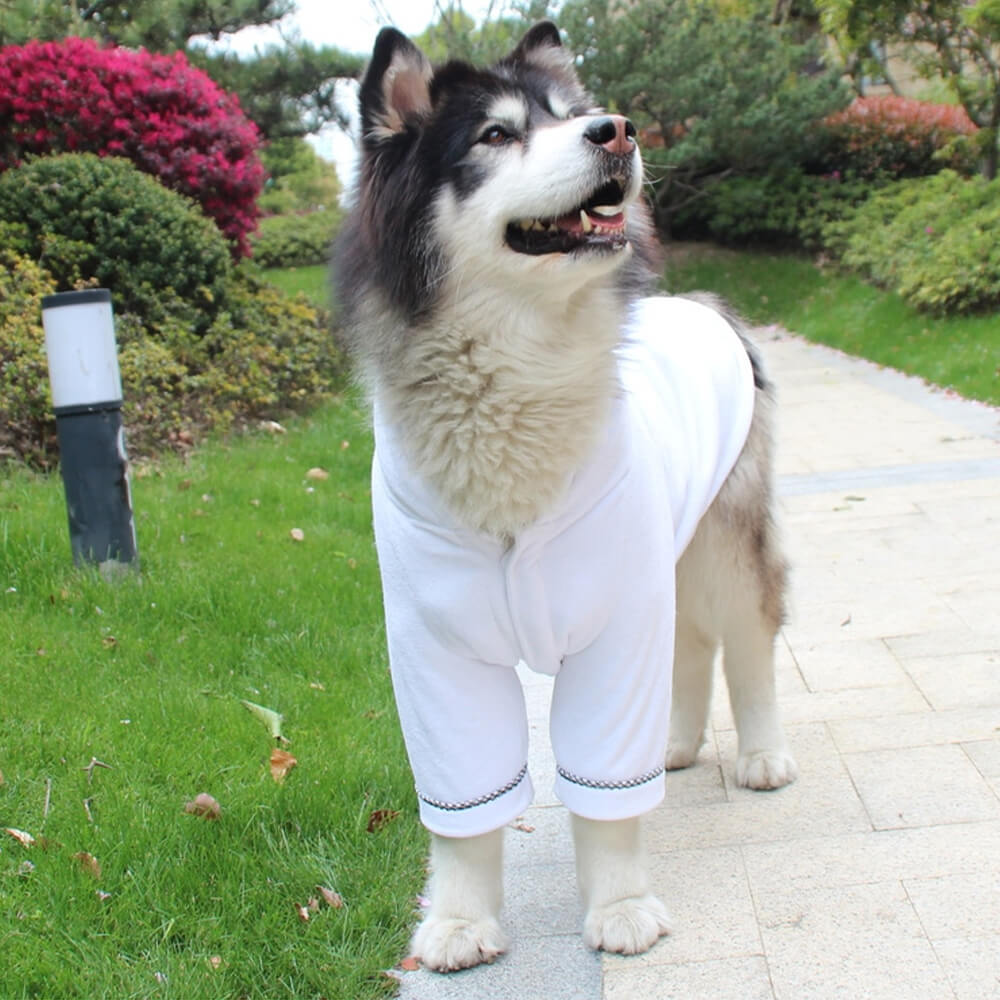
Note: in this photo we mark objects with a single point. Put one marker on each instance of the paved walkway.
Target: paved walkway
(877, 874)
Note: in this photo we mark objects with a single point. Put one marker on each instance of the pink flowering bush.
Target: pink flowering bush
(899, 137)
(168, 118)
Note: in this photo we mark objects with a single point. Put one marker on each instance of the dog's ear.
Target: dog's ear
(395, 91)
(543, 35)
(543, 47)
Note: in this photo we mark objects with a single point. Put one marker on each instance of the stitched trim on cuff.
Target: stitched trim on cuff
(610, 785)
(481, 801)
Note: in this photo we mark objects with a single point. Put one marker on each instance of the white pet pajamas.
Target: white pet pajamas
(586, 593)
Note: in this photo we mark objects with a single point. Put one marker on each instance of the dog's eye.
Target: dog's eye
(495, 135)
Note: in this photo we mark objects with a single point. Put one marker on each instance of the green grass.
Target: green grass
(957, 352)
(313, 282)
(147, 675)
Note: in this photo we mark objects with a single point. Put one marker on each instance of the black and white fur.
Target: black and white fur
(483, 320)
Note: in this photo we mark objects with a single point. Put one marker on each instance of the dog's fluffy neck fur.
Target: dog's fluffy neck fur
(500, 406)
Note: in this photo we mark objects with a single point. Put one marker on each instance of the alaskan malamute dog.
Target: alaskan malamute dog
(563, 469)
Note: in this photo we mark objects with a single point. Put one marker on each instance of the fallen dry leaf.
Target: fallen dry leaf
(109, 642)
(19, 835)
(313, 904)
(88, 863)
(410, 964)
(317, 475)
(203, 805)
(215, 961)
(303, 912)
(281, 763)
(380, 818)
(298, 535)
(103, 896)
(522, 826)
(333, 899)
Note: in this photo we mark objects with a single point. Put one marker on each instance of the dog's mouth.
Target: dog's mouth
(597, 224)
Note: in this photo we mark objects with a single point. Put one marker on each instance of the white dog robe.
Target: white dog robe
(586, 593)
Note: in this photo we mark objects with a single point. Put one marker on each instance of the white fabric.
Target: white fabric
(586, 593)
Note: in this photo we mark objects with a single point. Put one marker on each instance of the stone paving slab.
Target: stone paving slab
(877, 874)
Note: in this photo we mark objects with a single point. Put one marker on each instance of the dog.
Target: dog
(568, 473)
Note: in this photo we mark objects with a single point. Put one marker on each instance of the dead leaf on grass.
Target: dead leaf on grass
(203, 805)
(88, 863)
(380, 818)
(333, 899)
(410, 964)
(281, 763)
(317, 475)
(25, 839)
(302, 912)
(297, 535)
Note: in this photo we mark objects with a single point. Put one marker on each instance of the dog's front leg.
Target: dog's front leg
(622, 915)
(461, 928)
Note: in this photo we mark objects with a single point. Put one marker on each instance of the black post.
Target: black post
(87, 402)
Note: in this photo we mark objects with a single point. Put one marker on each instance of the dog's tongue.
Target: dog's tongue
(572, 222)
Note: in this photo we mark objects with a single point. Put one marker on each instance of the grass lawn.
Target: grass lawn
(313, 282)
(125, 895)
(960, 353)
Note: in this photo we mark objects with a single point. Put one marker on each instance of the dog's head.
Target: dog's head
(507, 176)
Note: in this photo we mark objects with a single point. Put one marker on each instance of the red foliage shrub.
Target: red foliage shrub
(167, 117)
(898, 137)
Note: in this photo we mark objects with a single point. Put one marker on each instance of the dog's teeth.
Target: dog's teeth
(607, 210)
(538, 226)
(588, 226)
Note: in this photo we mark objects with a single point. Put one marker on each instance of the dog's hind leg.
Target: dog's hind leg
(748, 662)
(461, 928)
(622, 915)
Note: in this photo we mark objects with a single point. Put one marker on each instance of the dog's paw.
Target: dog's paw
(627, 926)
(681, 755)
(766, 769)
(447, 944)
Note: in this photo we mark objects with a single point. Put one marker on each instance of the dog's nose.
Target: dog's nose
(615, 133)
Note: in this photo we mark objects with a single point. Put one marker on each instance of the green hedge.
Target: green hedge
(90, 218)
(786, 207)
(932, 239)
(295, 240)
(202, 344)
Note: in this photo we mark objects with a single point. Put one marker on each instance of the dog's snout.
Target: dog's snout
(615, 133)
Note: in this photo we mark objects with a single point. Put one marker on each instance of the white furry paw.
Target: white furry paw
(766, 769)
(680, 755)
(447, 944)
(627, 926)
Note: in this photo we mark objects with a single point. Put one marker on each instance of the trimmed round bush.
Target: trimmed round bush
(295, 240)
(163, 114)
(99, 219)
(899, 137)
(931, 239)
